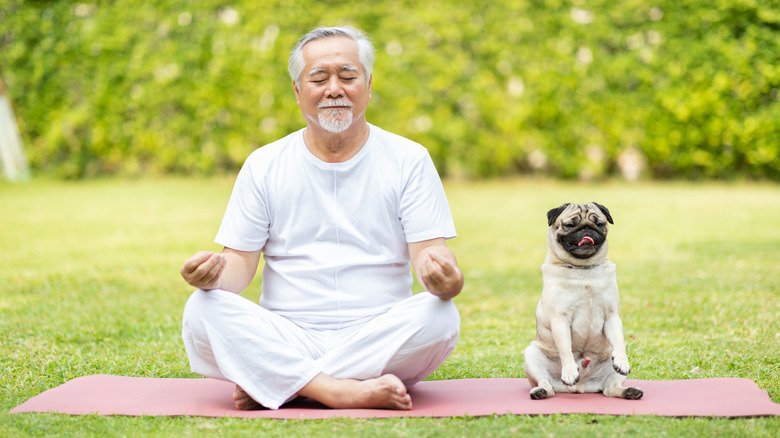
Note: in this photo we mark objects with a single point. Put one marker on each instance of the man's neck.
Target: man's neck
(336, 148)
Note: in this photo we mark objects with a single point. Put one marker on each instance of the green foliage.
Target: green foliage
(93, 288)
(572, 89)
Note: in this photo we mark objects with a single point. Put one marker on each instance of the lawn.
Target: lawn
(89, 284)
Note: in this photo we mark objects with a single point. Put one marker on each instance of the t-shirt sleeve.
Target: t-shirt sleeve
(246, 222)
(424, 211)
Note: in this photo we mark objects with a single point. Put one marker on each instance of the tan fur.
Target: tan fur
(578, 317)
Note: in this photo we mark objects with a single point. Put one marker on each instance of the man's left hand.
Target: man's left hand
(439, 273)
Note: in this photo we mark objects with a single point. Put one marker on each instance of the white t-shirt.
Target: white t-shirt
(334, 235)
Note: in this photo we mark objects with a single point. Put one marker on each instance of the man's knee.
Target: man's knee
(435, 324)
(210, 305)
(197, 305)
(440, 318)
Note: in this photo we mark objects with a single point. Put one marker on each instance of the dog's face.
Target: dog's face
(577, 233)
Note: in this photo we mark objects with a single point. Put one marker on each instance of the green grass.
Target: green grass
(89, 284)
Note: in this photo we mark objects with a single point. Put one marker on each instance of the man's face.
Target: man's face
(334, 90)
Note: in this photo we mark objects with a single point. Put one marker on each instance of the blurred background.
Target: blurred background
(587, 90)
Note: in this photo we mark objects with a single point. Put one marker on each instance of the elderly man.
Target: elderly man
(338, 209)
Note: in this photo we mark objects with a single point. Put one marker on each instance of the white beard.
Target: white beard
(335, 120)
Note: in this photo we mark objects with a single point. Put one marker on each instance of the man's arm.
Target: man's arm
(436, 267)
(232, 270)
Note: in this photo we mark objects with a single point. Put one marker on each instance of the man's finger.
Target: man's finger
(203, 270)
(443, 264)
(435, 276)
(446, 269)
(216, 270)
(195, 261)
(426, 276)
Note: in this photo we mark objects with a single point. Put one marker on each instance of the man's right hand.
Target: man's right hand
(203, 269)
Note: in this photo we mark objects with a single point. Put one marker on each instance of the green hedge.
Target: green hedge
(571, 89)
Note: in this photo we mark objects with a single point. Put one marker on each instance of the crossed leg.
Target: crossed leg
(386, 392)
(371, 370)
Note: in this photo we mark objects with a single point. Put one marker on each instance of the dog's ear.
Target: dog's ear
(605, 211)
(554, 213)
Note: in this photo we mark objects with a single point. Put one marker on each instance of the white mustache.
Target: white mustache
(335, 102)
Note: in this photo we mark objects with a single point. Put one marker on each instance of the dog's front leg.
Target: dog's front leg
(613, 330)
(561, 331)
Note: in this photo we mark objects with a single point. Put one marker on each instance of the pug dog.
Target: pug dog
(579, 346)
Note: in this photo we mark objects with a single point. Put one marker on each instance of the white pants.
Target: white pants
(229, 337)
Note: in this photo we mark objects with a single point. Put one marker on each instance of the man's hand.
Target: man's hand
(436, 268)
(203, 269)
(440, 276)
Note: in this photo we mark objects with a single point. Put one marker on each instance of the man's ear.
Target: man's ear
(297, 93)
(370, 80)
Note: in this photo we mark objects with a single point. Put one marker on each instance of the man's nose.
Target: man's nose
(334, 88)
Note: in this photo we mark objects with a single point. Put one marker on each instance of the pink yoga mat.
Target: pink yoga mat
(119, 395)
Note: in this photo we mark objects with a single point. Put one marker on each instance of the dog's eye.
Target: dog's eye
(570, 223)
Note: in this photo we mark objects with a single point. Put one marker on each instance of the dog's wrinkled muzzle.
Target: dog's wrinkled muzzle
(582, 243)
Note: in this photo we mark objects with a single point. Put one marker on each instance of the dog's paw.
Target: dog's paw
(633, 393)
(620, 364)
(570, 375)
(539, 393)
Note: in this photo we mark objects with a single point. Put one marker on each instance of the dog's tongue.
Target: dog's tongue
(586, 240)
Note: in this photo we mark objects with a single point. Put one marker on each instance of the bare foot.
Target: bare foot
(385, 392)
(243, 401)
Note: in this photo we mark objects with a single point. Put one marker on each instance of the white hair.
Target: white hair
(365, 48)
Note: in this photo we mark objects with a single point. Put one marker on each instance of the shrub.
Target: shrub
(570, 89)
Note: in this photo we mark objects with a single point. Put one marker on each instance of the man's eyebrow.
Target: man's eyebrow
(346, 67)
(316, 70)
